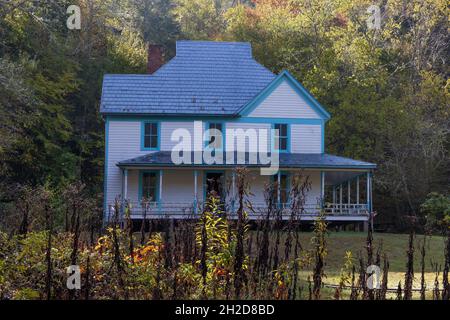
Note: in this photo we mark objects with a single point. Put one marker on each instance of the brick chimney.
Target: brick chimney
(155, 57)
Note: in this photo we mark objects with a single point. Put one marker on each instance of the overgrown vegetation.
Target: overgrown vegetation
(387, 89)
(212, 257)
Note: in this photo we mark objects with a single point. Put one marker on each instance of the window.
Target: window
(150, 135)
(284, 188)
(215, 139)
(281, 140)
(149, 183)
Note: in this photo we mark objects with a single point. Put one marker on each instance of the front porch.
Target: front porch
(180, 192)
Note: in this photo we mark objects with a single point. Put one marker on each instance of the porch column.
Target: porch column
(357, 190)
(340, 198)
(195, 190)
(124, 192)
(334, 198)
(278, 189)
(371, 204)
(160, 189)
(371, 190)
(233, 189)
(368, 191)
(357, 194)
(348, 192)
(322, 191)
(125, 184)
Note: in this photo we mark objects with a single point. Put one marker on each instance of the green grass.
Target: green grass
(395, 247)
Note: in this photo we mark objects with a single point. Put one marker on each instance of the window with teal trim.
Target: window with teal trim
(149, 185)
(215, 139)
(281, 140)
(151, 135)
(284, 188)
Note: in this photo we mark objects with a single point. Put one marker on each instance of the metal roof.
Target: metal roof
(286, 160)
(204, 78)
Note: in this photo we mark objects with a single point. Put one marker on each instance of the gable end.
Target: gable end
(286, 82)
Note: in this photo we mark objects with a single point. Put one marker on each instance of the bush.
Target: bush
(436, 209)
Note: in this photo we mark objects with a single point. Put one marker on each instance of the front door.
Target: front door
(215, 184)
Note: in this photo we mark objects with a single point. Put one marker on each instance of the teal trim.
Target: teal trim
(105, 178)
(204, 181)
(301, 91)
(322, 128)
(195, 173)
(369, 193)
(322, 182)
(140, 189)
(272, 139)
(158, 124)
(222, 119)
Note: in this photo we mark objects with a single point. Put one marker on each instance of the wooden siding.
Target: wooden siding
(306, 138)
(239, 143)
(284, 102)
(124, 142)
(167, 128)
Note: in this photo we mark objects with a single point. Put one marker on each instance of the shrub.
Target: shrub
(436, 209)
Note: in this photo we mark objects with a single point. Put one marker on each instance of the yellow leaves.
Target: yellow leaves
(144, 254)
(103, 243)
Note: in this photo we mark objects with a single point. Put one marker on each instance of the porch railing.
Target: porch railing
(180, 210)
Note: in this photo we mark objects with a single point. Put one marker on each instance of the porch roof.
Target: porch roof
(286, 160)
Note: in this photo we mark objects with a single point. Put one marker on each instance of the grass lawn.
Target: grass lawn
(394, 245)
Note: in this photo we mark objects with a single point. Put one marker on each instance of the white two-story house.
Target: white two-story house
(217, 87)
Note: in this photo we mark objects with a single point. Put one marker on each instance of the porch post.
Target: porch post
(334, 198)
(368, 191)
(357, 190)
(233, 189)
(195, 190)
(125, 191)
(348, 192)
(160, 189)
(340, 198)
(357, 193)
(278, 189)
(371, 205)
(125, 184)
(322, 191)
(371, 190)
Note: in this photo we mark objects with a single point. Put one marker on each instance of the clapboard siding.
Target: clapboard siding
(238, 144)
(178, 186)
(313, 195)
(284, 102)
(168, 128)
(306, 138)
(123, 143)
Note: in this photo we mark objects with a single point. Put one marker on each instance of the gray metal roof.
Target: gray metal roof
(287, 160)
(205, 78)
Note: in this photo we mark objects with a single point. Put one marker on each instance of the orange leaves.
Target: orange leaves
(145, 253)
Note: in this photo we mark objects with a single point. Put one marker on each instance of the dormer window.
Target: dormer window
(150, 136)
(281, 138)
